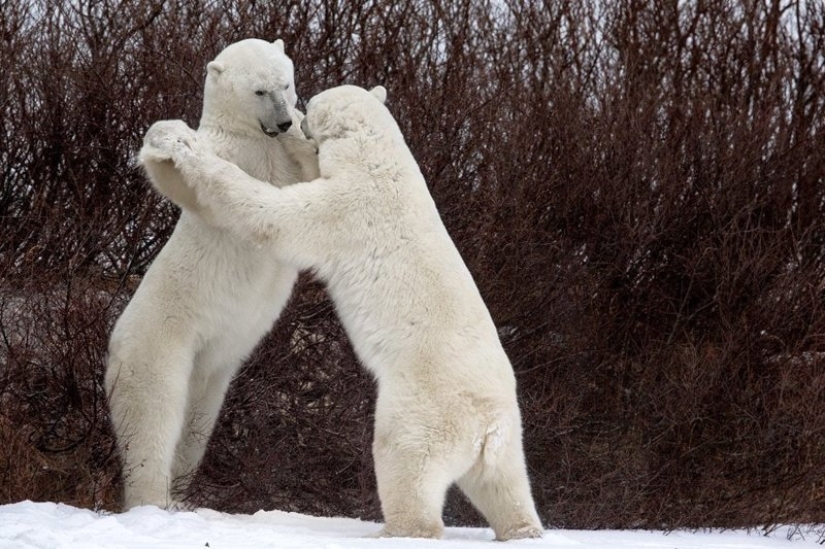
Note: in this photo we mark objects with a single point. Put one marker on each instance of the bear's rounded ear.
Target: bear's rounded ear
(215, 68)
(380, 93)
(279, 45)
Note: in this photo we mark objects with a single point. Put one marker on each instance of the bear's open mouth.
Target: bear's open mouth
(268, 131)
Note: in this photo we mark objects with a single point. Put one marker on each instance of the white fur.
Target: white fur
(447, 409)
(210, 295)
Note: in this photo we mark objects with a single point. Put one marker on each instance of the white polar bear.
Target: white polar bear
(210, 295)
(447, 409)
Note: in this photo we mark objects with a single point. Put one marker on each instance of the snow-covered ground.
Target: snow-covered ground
(29, 525)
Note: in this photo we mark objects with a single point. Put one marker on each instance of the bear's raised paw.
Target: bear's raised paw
(167, 140)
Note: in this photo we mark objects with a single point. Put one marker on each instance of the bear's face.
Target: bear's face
(345, 109)
(250, 85)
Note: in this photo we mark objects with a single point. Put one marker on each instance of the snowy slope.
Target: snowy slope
(29, 525)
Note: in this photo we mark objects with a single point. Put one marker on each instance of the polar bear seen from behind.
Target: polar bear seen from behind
(210, 295)
(447, 409)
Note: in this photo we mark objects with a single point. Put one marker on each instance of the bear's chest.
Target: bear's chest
(263, 159)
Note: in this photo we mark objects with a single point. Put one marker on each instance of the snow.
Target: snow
(29, 525)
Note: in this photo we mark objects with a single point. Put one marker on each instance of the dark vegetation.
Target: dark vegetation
(637, 186)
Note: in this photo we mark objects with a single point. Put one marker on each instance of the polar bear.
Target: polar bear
(447, 409)
(210, 295)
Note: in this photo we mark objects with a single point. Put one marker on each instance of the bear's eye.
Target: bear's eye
(286, 87)
(260, 93)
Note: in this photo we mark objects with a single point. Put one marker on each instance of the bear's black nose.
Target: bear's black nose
(285, 126)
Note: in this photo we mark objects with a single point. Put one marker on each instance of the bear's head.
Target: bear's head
(250, 88)
(346, 110)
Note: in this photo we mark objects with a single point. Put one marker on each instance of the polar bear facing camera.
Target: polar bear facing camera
(211, 294)
(447, 409)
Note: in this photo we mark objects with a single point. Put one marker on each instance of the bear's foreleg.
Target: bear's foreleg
(159, 166)
(302, 150)
(301, 223)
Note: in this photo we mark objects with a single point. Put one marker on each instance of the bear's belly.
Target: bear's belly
(249, 309)
(239, 291)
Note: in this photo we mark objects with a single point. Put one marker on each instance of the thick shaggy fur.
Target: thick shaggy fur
(447, 409)
(210, 294)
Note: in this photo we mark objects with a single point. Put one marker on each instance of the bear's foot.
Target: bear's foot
(170, 504)
(142, 492)
(418, 529)
(520, 532)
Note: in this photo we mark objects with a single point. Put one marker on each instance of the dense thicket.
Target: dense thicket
(637, 186)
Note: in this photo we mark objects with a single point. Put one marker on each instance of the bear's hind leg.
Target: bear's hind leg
(412, 495)
(147, 399)
(500, 490)
(412, 486)
(206, 396)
